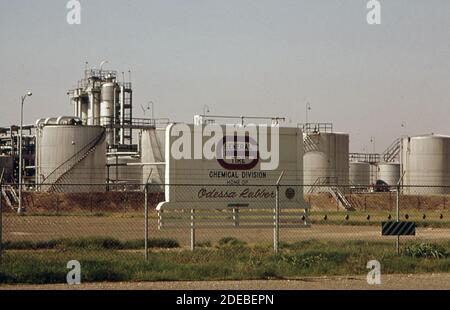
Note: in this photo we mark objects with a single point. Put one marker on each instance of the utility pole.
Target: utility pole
(308, 108)
(29, 94)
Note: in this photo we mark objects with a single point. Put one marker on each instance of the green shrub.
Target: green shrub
(424, 250)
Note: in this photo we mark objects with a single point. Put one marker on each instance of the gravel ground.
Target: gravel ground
(388, 282)
(35, 228)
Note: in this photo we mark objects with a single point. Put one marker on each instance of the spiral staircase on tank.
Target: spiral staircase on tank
(60, 176)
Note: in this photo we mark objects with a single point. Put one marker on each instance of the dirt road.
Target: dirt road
(388, 282)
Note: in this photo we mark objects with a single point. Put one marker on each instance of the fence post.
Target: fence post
(236, 217)
(192, 229)
(276, 230)
(146, 221)
(398, 216)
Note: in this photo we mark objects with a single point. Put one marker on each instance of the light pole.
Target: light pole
(205, 109)
(308, 108)
(19, 210)
(372, 140)
(153, 108)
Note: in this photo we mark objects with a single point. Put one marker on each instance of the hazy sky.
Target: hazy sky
(250, 57)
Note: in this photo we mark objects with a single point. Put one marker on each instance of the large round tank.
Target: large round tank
(426, 161)
(389, 173)
(121, 173)
(359, 173)
(325, 160)
(153, 143)
(71, 155)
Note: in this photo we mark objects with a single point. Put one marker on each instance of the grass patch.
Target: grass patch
(231, 241)
(203, 244)
(230, 259)
(90, 243)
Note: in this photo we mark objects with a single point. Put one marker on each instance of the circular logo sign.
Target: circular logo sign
(290, 193)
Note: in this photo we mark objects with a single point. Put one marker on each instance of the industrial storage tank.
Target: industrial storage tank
(359, 173)
(426, 161)
(389, 173)
(108, 96)
(325, 159)
(93, 107)
(153, 143)
(70, 154)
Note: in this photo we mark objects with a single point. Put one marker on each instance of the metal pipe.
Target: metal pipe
(122, 154)
(146, 164)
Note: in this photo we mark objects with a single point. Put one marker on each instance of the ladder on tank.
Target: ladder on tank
(324, 184)
(309, 145)
(9, 194)
(391, 153)
(340, 198)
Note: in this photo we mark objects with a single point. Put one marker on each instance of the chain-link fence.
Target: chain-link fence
(117, 224)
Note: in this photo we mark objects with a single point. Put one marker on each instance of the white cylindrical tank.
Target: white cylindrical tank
(153, 143)
(107, 104)
(359, 173)
(69, 154)
(426, 161)
(93, 106)
(326, 158)
(389, 173)
(107, 109)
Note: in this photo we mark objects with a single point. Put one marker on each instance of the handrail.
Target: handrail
(316, 127)
(392, 151)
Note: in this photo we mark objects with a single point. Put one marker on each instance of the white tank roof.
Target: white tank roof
(430, 136)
